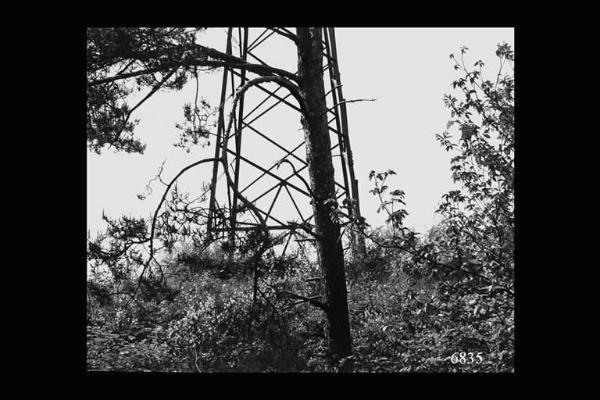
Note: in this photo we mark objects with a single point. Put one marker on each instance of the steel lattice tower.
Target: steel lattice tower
(278, 157)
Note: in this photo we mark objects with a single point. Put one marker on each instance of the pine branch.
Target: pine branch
(204, 57)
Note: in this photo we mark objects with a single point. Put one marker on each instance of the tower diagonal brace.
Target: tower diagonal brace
(337, 109)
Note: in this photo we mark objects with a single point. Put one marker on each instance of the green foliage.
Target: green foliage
(477, 233)
(209, 325)
(119, 51)
(198, 120)
(469, 256)
(398, 324)
(215, 334)
(402, 328)
(395, 216)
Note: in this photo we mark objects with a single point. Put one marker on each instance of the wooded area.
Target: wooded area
(400, 301)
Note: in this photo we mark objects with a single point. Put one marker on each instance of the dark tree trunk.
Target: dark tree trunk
(318, 155)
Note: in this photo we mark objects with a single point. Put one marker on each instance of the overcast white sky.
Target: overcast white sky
(408, 70)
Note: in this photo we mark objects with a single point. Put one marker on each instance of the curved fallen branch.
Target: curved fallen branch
(155, 217)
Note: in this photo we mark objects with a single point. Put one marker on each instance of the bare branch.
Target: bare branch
(155, 217)
(346, 102)
(311, 300)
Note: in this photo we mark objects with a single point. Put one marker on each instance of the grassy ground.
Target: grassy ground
(396, 326)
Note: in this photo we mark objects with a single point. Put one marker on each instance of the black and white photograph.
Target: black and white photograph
(300, 200)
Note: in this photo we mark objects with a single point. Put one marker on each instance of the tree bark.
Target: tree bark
(320, 166)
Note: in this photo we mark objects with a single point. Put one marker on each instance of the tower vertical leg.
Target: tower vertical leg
(220, 129)
(243, 40)
(359, 247)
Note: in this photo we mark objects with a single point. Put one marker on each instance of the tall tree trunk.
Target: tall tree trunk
(318, 155)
